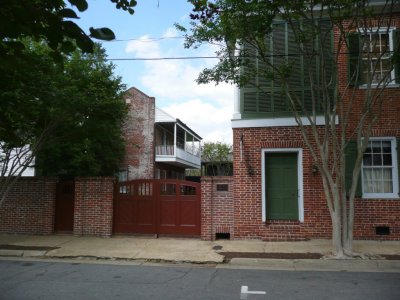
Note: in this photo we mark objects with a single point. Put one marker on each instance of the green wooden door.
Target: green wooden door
(281, 186)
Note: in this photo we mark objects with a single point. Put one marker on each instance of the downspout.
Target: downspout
(212, 209)
(241, 147)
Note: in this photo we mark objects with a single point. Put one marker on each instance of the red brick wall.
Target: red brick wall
(389, 124)
(248, 187)
(93, 213)
(139, 135)
(29, 208)
(369, 213)
(216, 207)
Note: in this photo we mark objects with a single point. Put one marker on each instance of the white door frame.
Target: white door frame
(300, 196)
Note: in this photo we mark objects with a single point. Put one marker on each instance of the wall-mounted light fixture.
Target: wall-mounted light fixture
(314, 169)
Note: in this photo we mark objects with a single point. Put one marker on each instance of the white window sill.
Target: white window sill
(381, 196)
(374, 86)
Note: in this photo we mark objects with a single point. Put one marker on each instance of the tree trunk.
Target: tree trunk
(337, 235)
(348, 245)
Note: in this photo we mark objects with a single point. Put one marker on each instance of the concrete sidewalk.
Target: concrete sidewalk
(176, 250)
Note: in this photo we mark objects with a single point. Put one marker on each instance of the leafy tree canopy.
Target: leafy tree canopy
(232, 23)
(216, 152)
(50, 21)
(69, 115)
(217, 159)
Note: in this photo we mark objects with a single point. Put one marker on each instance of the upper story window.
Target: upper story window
(371, 57)
(376, 56)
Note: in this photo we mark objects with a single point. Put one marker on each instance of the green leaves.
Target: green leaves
(68, 13)
(105, 34)
(217, 158)
(216, 152)
(125, 5)
(74, 32)
(74, 111)
(50, 22)
(80, 4)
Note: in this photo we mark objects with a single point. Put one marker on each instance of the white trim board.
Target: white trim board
(275, 122)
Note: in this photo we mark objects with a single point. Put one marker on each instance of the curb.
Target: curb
(22, 253)
(346, 265)
(327, 265)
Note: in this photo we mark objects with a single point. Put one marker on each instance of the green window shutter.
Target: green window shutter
(250, 102)
(279, 44)
(280, 60)
(295, 61)
(354, 65)
(351, 155)
(264, 102)
(249, 70)
(396, 54)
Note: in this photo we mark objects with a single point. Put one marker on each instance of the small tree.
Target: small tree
(89, 140)
(217, 158)
(249, 33)
(67, 117)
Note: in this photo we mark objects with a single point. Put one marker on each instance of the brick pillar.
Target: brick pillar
(93, 212)
(217, 211)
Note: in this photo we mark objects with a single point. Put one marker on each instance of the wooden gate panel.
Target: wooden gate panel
(123, 208)
(124, 214)
(144, 215)
(189, 202)
(183, 210)
(188, 212)
(157, 207)
(167, 211)
(167, 204)
(65, 203)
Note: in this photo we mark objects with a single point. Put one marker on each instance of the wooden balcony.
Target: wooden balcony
(177, 155)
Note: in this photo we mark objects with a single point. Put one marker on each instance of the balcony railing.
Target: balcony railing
(189, 156)
(169, 150)
(165, 150)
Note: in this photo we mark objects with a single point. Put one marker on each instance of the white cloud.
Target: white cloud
(144, 47)
(206, 108)
(171, 32)
(210, 122)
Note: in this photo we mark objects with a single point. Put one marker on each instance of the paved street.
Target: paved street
(47, 279)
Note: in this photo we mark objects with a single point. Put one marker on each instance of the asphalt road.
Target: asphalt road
(22, 279)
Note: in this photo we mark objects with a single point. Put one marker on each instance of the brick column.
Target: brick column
(217, 211)
(93, 212)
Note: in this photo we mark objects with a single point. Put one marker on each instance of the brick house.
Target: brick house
(158, 146)
(272, 164)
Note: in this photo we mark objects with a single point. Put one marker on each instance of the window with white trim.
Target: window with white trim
(379, 169)
(377, 49)
(371, 57)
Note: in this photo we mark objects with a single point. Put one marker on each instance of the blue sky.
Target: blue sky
(150, 33)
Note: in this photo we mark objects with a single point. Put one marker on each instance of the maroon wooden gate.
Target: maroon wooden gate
(64, 211)
(157, 207)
